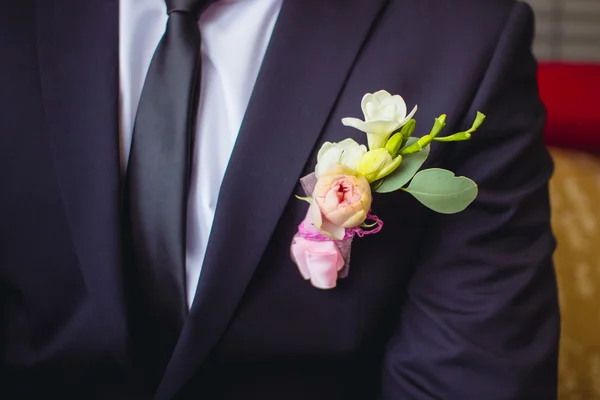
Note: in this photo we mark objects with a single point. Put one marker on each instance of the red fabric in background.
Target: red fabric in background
(571, 93)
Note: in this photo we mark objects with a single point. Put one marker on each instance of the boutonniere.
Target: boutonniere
(340, 191)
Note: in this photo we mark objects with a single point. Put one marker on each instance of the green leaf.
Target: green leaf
(376, 185)
(442, 191)
(404, 173)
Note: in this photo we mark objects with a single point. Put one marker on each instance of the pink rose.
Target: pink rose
(341, 199)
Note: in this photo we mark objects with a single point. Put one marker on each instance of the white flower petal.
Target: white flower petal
(384, 114)
(367, 98)
(388, 112)
(399, 106)
(373, 111)
(371, 103)
(352, 153)
(376, 127)
(408, 117)
(381, 95)
(384, 127)
(347, 152)
(377, 141)
(324, 149)
(328, 159)
(348, 144)
(355, 123)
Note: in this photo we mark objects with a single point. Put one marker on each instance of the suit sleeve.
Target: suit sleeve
(481, 319)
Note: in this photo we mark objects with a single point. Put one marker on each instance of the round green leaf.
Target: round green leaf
(404, 173)
(442, 191)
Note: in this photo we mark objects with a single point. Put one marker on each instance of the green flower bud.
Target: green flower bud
(377, 164)
(394, 145)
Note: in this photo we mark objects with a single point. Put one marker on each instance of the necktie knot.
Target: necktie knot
(192, 7)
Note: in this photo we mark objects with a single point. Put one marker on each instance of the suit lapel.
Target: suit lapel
(312, 50)
(78, 57)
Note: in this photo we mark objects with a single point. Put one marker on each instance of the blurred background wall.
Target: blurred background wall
(567, 45)
(567, 29)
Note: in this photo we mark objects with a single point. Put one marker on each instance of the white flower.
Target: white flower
(384, 114)
(347, 152)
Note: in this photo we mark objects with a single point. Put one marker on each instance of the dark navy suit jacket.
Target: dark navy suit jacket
(435, 307)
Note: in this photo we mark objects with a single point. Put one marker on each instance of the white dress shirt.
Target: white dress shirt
(235, 35)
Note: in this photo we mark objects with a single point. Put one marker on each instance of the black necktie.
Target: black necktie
(157, 183)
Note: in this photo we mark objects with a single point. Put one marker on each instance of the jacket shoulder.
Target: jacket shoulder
(458, 18)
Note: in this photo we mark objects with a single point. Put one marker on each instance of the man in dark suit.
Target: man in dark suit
(96, 279)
